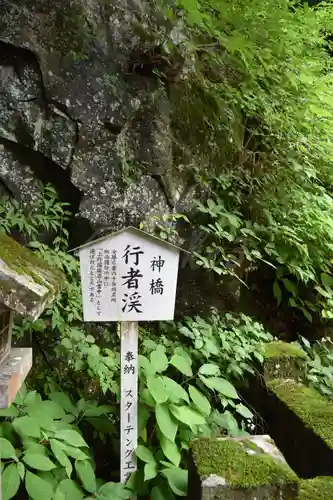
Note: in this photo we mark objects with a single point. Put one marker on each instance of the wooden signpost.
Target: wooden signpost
(128, 276)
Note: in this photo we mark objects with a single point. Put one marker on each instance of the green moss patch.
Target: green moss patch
(26, 281)
(319, 488)
(23, 261)
(230, 460)
(282, 350)
(315, 411)
(284, 360)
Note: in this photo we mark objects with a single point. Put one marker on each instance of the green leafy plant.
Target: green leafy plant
(46, 213)
(179, 402)
(234, 343)
(43, 451)
(62, 319)
(319, 367)
(255, 109)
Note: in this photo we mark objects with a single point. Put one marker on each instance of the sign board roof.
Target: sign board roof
(129, 276)
(128, 229)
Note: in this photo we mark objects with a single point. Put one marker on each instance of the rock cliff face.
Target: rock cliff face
(81, 107)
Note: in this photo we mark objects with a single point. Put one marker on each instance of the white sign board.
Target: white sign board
(128, 276)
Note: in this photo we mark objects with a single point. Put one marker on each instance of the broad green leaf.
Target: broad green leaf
(150, 471)
(180, 351)
(33, 447)
(170, 450)
(61, 425)
(227, 421)
(162, 493)
(12, 411)
(144, 454)
(19, 398)
(159, 360)
(26, 426)
(175, 391)
(45, 410)
(157, 389)
(10, 481)
(70, 490)
(212, 347)
(150, 344)
(113, 491)
(59, 496)
(187, 415)
(37, 487)
(146, 366)
(182, 364)
(61, 456)
(244, 411)
(21, 470)
(32, 397)
(65, 402)
(166, 423)
(71, 437)
(326, 279)
(59, 473)
(277, 292)
(147, 398)
(86, 475)
(177, 479)
(99, 410)
(7, 449)
(143, 415)
(209, 370)
(73, 452)
(221, 385)
(307, 314)
(168, 464)
(49, 478)
(290, 286)
(39, 462)
(200, 401)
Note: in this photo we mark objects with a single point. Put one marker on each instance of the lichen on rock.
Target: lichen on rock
(27, 284)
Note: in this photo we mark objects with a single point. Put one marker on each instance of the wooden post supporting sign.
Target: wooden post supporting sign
(129, 276)
(129, 398)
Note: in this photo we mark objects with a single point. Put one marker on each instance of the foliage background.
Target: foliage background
(254, 115)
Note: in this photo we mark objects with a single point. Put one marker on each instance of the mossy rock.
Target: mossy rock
(313, 409)
(27, 283)
(319, 488)
(284, 360)
(242, 468)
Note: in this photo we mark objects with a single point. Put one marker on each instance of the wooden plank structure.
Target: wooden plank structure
(27, 286)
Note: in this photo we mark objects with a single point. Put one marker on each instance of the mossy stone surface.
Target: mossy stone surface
(27, 283)
(284, 360)
(314, 410)
(243, 468)
(281, 350)
(319, 488)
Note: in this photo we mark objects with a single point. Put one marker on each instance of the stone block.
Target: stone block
(314, 411)
(249, 468)
(13, 373)
(284, 360)
(27, 283)
(319, 488)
